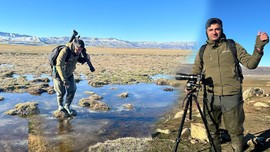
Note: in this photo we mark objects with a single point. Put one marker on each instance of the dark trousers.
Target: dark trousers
(61, 90)
(231, 109)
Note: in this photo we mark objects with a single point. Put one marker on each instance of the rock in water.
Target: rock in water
(64, 114)
(24, 109)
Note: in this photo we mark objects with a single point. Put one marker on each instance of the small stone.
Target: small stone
(128, 106)
(96, 97)
(185, 132)
(260, 104)
(89, 92)
(1, 98)
(198, 131)
(165, 131)
(168, 89)
(64, 114)
(178, 114)
(123, 95)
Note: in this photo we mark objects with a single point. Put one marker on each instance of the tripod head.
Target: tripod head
(194, 81)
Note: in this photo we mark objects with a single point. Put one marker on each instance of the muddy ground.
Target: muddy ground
(126, 66)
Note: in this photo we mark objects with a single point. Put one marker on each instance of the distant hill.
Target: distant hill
(12, 38)
(260, 70)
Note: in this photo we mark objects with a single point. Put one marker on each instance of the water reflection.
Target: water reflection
(46, 133)
(64, 126)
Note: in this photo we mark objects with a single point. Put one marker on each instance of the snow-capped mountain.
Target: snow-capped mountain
(11, 38)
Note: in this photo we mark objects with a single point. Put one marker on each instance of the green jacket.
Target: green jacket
(66, 69)
(219, 67)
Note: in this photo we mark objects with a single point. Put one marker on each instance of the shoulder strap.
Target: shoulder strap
(201, 51)
(232, 46)
(69, 53)
(59, 48)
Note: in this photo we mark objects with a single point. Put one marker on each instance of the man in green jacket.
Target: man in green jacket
(64, 79)
(223, 86)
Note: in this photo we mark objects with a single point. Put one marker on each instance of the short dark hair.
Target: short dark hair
(213, 21)
(79, 42)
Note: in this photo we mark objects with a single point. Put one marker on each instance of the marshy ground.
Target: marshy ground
(131, 66)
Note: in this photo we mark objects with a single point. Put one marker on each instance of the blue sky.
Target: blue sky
(131, 20)
(241, 21)
(137, 20)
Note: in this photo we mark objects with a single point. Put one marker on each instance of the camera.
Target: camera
(182, 76)
(193, 79)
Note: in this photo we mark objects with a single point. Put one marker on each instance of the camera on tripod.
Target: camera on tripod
(193, 79)
(193, 85)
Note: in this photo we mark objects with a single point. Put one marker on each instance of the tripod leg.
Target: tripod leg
(205, 124)
(189, 100)
(190, 109)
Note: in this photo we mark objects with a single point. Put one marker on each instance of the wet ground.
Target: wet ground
(45, 132)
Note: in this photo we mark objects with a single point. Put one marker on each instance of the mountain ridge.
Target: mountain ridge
(23, 39)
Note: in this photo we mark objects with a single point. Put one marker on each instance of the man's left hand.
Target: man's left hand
(261, 40)
(264, 37)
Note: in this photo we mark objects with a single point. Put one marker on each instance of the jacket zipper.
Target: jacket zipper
(218, 60)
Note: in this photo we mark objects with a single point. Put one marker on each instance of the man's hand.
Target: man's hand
(263, 36)
(187, 91)
(66, 84)
(261, 40)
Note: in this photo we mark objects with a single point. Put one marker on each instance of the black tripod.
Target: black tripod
(192, 97)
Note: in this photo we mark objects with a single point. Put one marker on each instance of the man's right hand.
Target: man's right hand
(187, 90)
(66, 84)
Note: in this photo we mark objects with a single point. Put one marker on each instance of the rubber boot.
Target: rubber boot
(238, 144)
(67, 107)
(60, 104)
(69, 99)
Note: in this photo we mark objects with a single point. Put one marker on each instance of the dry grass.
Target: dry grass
(112, 65)
(93, 50)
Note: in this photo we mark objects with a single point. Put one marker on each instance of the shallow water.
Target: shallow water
(89, 127)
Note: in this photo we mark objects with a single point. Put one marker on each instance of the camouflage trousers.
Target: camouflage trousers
(61, 90)
(231, 109)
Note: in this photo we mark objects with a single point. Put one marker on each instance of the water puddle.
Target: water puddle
(6, 65)
(89, 127)
(162, 76)
(30, 76)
